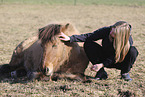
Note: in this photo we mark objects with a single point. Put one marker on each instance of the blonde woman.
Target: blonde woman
(116, 50)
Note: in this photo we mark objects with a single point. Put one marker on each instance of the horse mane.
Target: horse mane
(47, 33)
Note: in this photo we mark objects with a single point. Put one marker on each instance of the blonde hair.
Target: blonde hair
(121, 40)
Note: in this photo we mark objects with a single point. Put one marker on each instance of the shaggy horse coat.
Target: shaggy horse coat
(22, 54)
(17, 59)
(50, 56)
(27, 56)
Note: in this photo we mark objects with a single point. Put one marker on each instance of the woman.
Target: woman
(116, 50)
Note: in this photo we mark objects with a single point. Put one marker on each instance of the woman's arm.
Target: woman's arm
(96, 35)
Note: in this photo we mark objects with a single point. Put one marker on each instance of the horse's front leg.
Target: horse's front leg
(19, 72)
(29, 69)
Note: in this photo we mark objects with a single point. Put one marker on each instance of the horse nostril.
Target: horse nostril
(47, 70)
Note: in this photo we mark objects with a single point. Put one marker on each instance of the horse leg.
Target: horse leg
(28, 66)
(19, 72)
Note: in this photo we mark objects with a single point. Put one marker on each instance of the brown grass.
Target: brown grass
(19, 22)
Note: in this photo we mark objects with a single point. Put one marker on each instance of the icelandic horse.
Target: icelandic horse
(47, 55)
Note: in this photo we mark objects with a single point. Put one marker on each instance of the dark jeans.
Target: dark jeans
(97, 55)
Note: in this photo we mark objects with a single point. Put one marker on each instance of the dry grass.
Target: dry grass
(19, 21)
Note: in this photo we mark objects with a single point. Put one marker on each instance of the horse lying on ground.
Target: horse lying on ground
(49, 56)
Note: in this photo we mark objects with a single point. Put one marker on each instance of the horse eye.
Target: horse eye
(54, 45)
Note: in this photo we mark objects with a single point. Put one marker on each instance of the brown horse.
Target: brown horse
(63, 58)
(50, 56)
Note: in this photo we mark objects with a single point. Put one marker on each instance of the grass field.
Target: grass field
(20, 19)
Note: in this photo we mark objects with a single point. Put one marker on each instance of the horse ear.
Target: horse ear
(66, 26)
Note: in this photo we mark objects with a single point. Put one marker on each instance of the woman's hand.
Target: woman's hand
(96, 67)
(64, 37)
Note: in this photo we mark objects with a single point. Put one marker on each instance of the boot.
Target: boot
(101, 74)
(126, 77)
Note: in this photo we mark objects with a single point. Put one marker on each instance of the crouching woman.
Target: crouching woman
(117, 50)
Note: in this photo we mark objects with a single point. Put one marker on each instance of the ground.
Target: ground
(20, 21)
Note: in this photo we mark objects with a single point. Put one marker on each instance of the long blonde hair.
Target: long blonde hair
(121, 40)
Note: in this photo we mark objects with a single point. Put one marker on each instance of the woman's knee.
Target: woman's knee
(86, 44)
(91, 45)
(92, 49)
(133, 52)
(88, 47)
